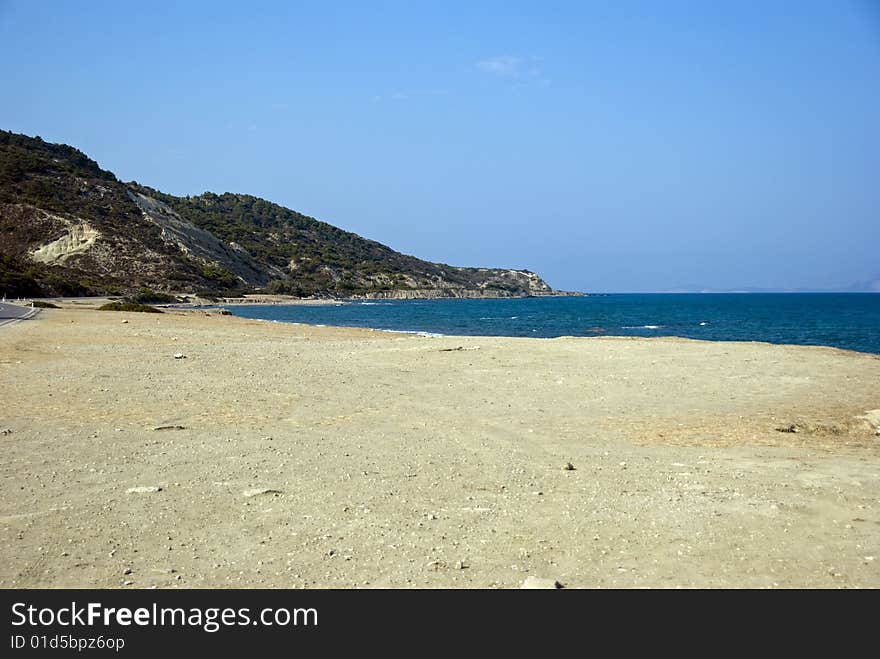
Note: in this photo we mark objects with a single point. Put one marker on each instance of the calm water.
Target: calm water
(846, 320)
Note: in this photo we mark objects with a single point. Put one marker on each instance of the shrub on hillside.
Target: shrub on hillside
(128, 306)
(149, 296)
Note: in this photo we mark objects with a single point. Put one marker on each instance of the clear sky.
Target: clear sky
(609, 146)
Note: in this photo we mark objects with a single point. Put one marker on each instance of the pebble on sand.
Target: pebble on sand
(258, 491)
(537, 583)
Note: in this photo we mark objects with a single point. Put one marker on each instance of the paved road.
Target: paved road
(12, 313)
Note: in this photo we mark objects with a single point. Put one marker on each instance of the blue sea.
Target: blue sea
(842, 320)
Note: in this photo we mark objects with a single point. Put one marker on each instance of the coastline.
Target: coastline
(790, 322)
(392, 460)
(260, 299)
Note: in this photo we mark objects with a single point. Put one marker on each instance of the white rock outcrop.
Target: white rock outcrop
(80, 238)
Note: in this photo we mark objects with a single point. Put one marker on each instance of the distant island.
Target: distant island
(68, 228)
(866, 286)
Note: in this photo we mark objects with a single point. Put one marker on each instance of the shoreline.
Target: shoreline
(187, 308)
(93, 303)
(281, 300)
(392, 460)
(606, 336)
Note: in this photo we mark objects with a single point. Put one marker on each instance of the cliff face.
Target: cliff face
(201, 245)
(489, 282)
(69, 227)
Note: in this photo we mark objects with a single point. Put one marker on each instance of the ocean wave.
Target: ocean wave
(429, 335)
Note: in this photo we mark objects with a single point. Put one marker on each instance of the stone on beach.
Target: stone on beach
(257, 491)
(872, 419)
(538, 583)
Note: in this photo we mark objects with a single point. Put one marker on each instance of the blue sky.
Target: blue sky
(625, 146)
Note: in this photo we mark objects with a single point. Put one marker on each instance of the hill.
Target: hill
(68, 227)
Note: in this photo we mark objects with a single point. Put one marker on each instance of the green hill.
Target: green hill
(69, 227)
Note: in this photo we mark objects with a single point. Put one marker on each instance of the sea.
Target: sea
(842, 320)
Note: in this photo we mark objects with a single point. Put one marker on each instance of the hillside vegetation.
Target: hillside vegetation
(68, 227)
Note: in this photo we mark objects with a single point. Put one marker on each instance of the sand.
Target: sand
(278, 455)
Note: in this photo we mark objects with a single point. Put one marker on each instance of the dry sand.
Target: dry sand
(296, 456)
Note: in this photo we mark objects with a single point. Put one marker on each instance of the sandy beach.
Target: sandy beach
(281, 455)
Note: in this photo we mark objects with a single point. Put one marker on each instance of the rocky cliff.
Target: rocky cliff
(69, 227)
